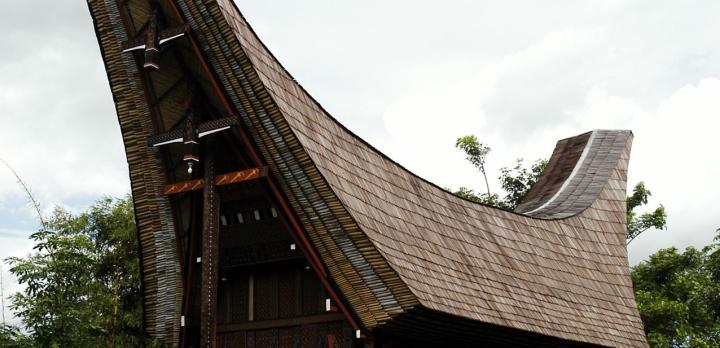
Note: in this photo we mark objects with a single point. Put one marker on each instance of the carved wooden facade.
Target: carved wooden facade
(323, 241)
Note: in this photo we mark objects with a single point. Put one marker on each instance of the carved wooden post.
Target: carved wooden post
(210, 250)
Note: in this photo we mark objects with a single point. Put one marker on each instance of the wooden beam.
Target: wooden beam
(209, 258)
(279, 323)
(223, 179)
(189, 266)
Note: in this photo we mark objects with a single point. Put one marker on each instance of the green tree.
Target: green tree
(678, 296)
(82, 281)
(636, 225)
(515, 182)
(476, 153)
(12, 337)
(484, 198)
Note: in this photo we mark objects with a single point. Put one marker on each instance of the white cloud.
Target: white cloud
(61, 133)
(675, 153)
(423, 125)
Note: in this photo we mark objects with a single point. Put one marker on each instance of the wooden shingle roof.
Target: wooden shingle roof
(406, 255)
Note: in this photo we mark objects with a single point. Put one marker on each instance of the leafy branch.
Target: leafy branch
(476, 153)
(636, 225)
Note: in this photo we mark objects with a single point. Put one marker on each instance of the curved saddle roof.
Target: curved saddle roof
(576, 173)
(406, 255)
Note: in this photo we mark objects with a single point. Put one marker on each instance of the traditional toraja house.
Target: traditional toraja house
(264, 222)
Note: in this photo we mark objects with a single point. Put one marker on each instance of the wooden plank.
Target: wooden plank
(278, 323)
(223, 179)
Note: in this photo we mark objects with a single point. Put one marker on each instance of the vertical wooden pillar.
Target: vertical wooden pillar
(210, 251)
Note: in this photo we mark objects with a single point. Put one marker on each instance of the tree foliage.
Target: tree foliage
(484, 198)
(476, 153)
(515, 182)
(678, 296)
(12, 337)
(82, 280)
(636, 225)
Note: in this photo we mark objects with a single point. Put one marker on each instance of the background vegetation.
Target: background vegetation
(81, 281)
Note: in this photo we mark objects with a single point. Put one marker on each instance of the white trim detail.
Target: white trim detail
(151, 65)
(170, 38)
(178, 140)
(579, 164)
(212, 131)
(134, 48)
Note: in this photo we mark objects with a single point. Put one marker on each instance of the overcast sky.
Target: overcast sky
(409, 77)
